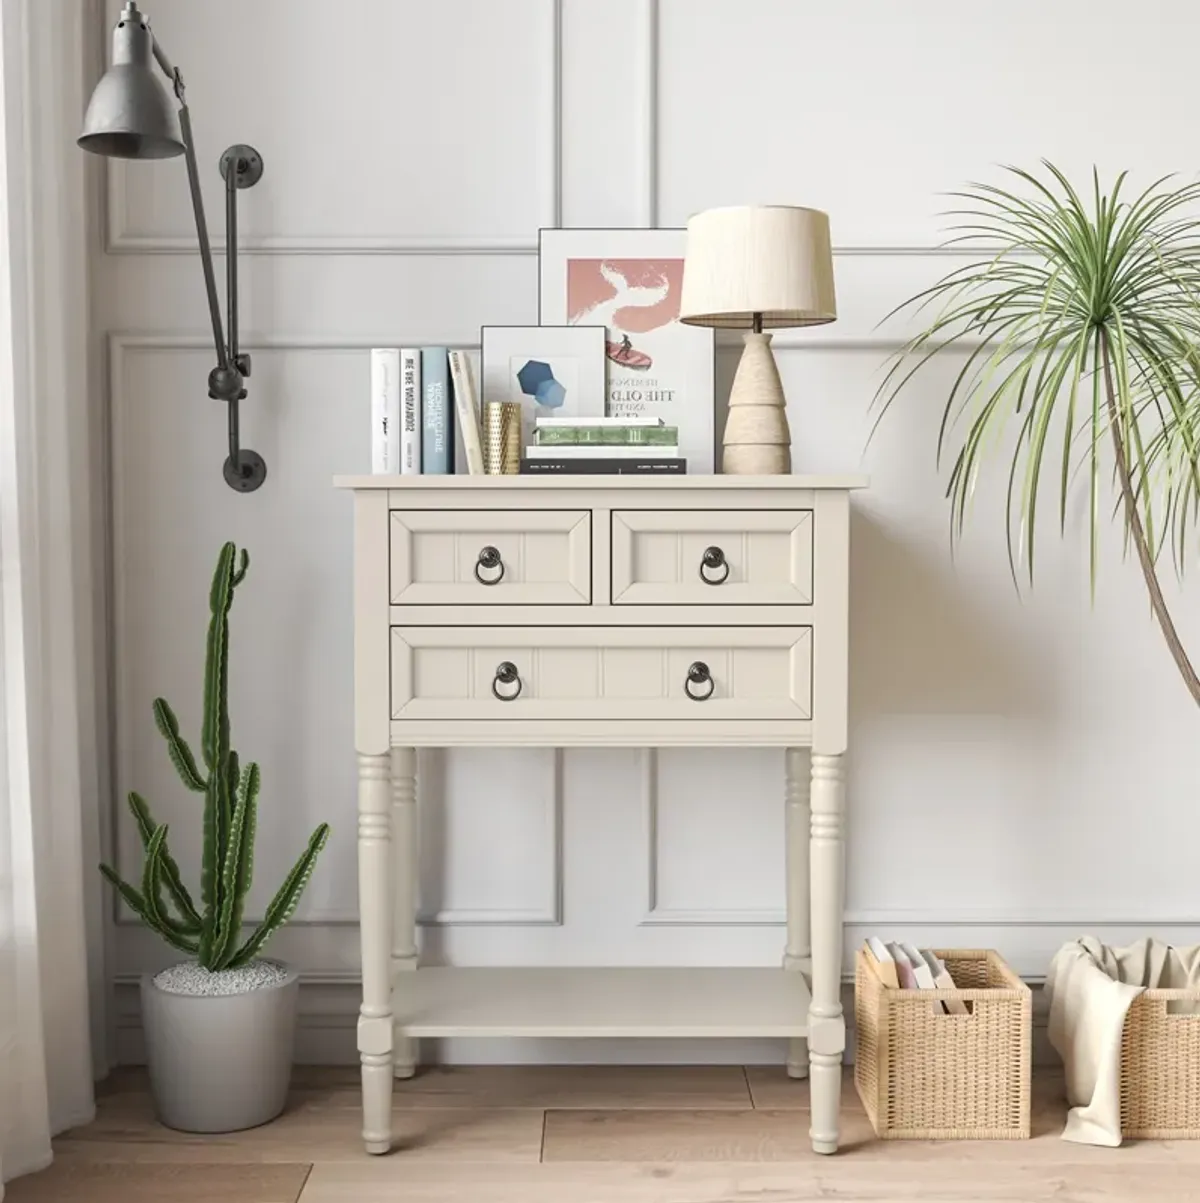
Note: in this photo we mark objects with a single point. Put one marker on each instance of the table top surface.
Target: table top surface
(845, 480)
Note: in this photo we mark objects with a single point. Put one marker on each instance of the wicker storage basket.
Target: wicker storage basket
(1160, 1066)
(923, 1075)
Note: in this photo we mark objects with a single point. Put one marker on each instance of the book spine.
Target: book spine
(607, 451)
(385, 411)
(466, 410)
(410, 415)
(603, 436)
(437, 418)
(604, 467)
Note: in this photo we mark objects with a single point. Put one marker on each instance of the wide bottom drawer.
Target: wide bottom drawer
(601, 673)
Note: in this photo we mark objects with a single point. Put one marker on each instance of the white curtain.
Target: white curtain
(48, 776)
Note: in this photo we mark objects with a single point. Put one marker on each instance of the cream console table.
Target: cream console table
(593, 610)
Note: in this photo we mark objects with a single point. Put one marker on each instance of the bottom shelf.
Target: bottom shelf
(548, 1003)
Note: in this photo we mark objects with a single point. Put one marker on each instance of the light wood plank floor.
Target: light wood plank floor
(584, 1135)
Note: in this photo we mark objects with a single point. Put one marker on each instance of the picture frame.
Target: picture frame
(552, 371)
(630, 281)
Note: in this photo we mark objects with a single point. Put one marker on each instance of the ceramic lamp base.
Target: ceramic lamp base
(757, 440)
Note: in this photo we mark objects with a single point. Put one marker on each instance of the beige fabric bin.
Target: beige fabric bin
(923, 1075)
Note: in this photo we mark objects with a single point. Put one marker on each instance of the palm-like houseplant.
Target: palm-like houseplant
(1082, 322)
(219, 1050)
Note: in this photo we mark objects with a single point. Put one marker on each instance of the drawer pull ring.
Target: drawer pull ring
(712, 561)
(698, 674)
(506, 674)
(489, 560)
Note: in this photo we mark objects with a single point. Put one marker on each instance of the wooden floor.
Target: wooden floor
(583, 1135)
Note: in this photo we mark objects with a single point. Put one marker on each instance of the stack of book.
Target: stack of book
(592, 446)
(903, 967)
(420, 396)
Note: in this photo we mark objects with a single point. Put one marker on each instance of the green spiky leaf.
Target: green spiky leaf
(189, 918)
(177, 748)
(137, 904)
(240, 575)
(237, 870)
(1074, 300)
(283, 905)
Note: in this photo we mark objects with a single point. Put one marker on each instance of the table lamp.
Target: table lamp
(132, 116)
(758, 268)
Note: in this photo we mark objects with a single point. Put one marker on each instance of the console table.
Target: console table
(601, 610)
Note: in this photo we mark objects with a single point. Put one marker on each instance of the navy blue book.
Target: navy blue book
(437, 429)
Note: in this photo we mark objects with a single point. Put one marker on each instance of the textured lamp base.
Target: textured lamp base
(757, 440)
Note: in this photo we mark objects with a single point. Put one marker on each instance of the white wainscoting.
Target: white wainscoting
(1021, 768)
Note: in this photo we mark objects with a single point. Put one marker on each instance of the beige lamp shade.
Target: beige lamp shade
(773, 260)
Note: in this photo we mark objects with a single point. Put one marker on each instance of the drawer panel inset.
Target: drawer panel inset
(602, 673)
(713, 558)
(491, 557)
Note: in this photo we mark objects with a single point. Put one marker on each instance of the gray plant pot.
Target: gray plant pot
(219, 1063)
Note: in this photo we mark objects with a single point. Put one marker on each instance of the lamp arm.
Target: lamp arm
(168, 70)
(206, 256)
(231, 310)
(244, 470)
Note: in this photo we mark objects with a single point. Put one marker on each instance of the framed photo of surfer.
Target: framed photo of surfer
(629, 281)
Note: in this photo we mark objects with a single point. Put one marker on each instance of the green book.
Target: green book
(613, 436)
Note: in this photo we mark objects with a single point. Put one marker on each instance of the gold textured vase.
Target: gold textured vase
(502, 438)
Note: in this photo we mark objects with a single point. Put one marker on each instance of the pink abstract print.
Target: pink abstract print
(630, 296)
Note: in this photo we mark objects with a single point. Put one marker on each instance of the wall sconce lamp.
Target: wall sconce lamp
(131, 116)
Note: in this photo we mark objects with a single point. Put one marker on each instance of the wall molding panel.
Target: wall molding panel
(550, 912)
(657, 915)
(121, 240)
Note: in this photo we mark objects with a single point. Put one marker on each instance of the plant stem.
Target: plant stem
(1137, 532)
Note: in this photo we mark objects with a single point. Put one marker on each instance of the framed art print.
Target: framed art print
(553, 371)
(629, 281)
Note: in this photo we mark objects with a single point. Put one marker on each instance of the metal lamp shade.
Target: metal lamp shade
(132, 115)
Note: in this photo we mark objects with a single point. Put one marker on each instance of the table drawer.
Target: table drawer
(491, 557)
(712, 557)
(601, 673)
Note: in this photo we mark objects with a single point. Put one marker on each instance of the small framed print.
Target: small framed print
(630, 280)
(552, 371)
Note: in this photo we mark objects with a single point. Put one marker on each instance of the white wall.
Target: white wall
(1020, 768)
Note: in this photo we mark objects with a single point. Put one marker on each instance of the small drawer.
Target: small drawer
(491, 557)
(602, 673)
(712, 557)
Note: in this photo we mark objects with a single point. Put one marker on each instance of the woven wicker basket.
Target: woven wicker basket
(1160, 1066)
(923, 1075)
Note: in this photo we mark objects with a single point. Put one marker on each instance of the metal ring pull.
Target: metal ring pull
(698, 674)
(489, 560)
(506, 674)
(713, 560)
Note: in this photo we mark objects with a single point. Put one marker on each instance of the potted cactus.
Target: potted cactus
(219, 1026)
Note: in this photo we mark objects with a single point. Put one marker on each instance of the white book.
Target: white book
(921, 969)
(546, 423)
(467, 410)
(600, 451)
(904, 967)
(884, 961)
(943, 981)
(385, 411)
(410, 411)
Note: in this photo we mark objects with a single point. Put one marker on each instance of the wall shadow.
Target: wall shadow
(921, 644)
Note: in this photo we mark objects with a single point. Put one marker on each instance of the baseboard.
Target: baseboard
(328, 1018)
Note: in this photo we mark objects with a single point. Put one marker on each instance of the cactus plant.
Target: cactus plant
(211, 933)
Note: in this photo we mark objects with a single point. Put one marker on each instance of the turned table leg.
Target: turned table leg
(404, 914)
(797, 955)
(375, 916)
(827, 1027)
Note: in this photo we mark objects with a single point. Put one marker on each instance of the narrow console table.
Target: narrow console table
(601, 610)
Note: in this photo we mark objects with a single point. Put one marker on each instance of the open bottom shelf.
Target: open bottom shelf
(546, 1003)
